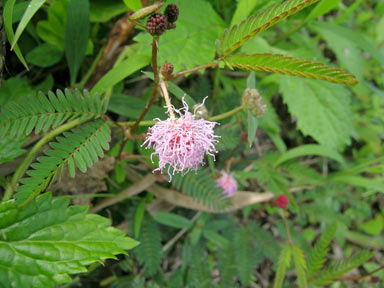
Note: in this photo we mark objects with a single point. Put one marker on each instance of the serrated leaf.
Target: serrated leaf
(10, 148)
(282, 265)
(227, 267)
(46, 241)
(276, 63)
(237, 35)
(322, 109)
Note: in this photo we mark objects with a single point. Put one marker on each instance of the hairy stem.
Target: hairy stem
(192, 70)
(164, 92)
(11, 187)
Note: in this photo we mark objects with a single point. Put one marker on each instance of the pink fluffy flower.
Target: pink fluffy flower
(181, 142)
(227, 183)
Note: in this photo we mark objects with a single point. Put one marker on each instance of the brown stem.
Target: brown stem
(287, 228)
(192, 70)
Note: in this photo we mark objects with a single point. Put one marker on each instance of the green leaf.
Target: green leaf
(282, 265)
(7, 16)
(134, 5)
(32, 8)
(374, 226)
(139, 216)
(44, 55)
(252, 128)
(178, 45)
(120, 72)
(339, 268)
(227, 267)
(44, 242)
(105, 10)
(216, 238)
(72, 145)
(243, 9)
(317, 256)
(300, 265)
(309, 149)
(10, 148)
(276, 63)
(173, 220)
(322, 110)
(323, 7)
(76, 35)
(237, 35)
(149, 252)
(359, 181)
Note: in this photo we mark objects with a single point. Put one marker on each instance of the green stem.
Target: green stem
(11, 187)
(214, 118)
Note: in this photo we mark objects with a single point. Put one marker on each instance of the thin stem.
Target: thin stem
(165, 94)
(192, 70)
(226, 114)
(287, 228)
(154, 92)
(31, 155)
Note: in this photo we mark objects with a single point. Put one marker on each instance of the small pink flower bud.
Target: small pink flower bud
(227, 183)
(253, 101)
(181, 143)
(282, 201)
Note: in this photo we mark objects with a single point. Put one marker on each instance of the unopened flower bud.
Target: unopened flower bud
(282, 201)
(172, 13)
(253, 101)
(157, 24)
(166, 69)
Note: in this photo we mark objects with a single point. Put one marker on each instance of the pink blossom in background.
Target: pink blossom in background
(227, 183)
(182, 142)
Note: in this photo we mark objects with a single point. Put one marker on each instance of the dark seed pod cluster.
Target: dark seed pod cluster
(157, 24)
(166, 69)
(172, 13)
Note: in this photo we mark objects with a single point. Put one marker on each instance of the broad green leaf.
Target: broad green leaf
(243, 9)
(282, 265)
(322, 8)
(45, 55)
(76, 35)
(7, 16)
(237, 35)
(374, 226)
(120, 72)
(134, 5)
(44, 242)
(105, 10)
(286, 65)
(173, 220)
(322, 110)
(32, 8)
(179, 46)
(309, 149)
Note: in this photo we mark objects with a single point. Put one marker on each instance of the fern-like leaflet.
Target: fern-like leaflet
(237, 35)
(316, 258)
(81, 147)
(42, 112)
(201, 187)
(339, 268)
(276, 63)
(300, 265)
(282, 265)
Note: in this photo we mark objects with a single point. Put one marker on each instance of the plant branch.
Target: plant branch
(11, 187)
(192, 70)
(164, 92)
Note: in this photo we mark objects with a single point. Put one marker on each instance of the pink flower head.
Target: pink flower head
(282, 201)
(181, 142)
(227, 183)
